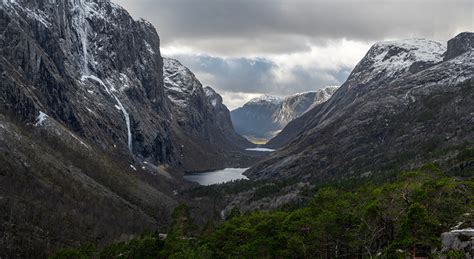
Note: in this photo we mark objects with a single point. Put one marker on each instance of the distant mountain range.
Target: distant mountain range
(265, 116)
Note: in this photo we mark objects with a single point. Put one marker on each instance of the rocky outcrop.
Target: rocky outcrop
(264, 117)
(459, 240)
(400, 105)
(459, 45)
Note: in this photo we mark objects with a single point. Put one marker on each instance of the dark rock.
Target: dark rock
(460, 44)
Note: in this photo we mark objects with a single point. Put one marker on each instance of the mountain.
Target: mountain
(95, 132)
(406, 101)
(208, 139)
(254, 119)
(263, 117)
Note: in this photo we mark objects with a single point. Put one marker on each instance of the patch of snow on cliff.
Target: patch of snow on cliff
(149, 48)
(211, 95)
(41, 118)
(38, 15)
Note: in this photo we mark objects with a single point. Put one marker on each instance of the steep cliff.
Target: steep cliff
(204, 130)
(92, 145)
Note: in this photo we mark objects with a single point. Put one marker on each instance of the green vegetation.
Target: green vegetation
(401, 217)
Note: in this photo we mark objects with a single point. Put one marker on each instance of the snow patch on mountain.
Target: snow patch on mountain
(212, 96)
(391, 58)
(41, 118)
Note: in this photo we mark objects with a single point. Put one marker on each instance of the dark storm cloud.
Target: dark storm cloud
(256, 75)
(280, 47)
(275, 26)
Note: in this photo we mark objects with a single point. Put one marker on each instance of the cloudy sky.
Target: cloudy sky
(245, 48)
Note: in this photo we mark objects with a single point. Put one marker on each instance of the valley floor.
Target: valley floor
(393, 216)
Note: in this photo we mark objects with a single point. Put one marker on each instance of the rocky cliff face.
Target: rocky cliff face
(91, 67)
(206, 134)
(296, 105)
(264, 117)
(404, 103)
(92, 139)
(82, 106)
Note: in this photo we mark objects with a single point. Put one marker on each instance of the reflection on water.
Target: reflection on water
(215, 177)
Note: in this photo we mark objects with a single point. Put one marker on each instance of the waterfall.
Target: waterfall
(120, 105)
(80, 23)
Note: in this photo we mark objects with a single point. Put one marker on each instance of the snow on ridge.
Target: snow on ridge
(211, 95)
(266, 98)
(323, 91)
(209, 91)
(420, 49)
(391, 58)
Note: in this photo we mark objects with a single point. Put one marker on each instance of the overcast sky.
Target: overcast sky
(245, 48)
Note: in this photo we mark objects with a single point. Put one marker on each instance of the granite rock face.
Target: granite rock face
(401, 104)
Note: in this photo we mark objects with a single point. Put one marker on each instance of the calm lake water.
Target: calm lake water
(260, 149)
(215, 177)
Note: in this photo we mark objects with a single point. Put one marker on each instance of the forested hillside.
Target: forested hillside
(402, 214)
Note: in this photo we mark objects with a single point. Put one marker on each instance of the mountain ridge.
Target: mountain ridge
(358, 123)
(264, 116)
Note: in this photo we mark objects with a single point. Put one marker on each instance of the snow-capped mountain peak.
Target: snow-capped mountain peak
(389, 59)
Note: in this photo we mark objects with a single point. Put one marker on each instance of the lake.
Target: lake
(218, 176)
(260, 149)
